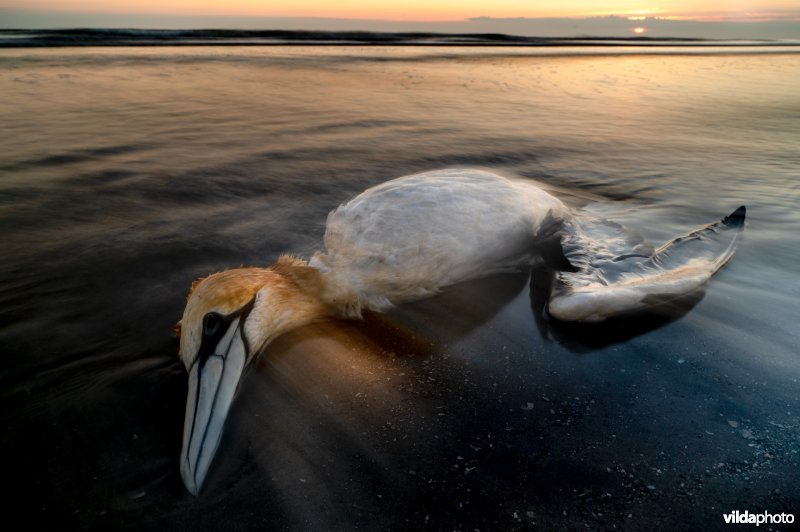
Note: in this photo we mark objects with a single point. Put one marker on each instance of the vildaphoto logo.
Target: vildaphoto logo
(746, 518)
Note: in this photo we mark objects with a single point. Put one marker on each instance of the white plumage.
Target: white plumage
(406, 239)
(409, 237)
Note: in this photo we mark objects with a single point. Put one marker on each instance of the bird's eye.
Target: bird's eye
(211, 324)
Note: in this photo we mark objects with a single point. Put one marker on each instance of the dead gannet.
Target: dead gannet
(405, 240)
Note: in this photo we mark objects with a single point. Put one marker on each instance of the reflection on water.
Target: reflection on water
(127, 173)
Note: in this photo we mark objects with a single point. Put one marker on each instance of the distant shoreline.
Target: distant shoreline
(80, 37)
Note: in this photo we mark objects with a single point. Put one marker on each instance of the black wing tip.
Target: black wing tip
(736, 217)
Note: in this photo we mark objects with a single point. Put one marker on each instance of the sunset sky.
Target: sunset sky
(425, 10)
(731, 19)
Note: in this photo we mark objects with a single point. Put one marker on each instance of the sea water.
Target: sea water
(126, 173)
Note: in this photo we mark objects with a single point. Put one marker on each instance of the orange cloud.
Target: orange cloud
(425, 9)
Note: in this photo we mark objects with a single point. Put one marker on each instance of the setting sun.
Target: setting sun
(639, 30)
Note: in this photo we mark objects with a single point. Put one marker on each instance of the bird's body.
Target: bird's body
(408, 238)
(404, 240)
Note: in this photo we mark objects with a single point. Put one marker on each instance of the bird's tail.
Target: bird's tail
(615, 271)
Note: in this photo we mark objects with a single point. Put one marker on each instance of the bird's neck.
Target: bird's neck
(307, 279)
(286, 300)
(327, 296)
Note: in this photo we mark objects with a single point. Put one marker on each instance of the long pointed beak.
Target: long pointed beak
(212, 386)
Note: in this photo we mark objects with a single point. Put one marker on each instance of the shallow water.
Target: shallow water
(127, 173)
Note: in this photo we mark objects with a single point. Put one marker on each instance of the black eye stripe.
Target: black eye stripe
(212, 322)
(214, 327)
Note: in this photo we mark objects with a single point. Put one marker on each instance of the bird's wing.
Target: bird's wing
(616, 270)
